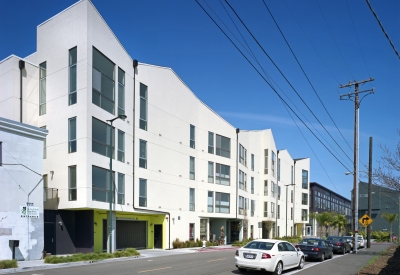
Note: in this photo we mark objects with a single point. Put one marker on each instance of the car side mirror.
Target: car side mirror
(298, 249)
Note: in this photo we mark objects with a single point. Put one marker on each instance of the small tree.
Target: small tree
(390, 218)
(340, 222)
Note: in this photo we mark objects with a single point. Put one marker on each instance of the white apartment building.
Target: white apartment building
(179, 169)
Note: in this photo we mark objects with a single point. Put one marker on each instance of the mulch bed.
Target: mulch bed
(388, 263)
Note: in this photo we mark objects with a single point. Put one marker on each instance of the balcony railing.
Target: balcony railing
(50, 198)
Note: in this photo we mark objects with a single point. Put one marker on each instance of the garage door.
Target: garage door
(131, 234)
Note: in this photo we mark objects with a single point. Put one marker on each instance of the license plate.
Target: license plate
(305, 255)
(249, 256)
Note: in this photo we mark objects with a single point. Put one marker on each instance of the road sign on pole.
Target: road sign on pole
(365, 220)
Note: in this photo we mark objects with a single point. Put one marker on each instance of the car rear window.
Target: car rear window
(334, 239)
(259, 245)
(309, 242)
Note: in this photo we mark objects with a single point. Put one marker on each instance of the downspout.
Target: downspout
(21, 67)
(237, 170)
(135, 64)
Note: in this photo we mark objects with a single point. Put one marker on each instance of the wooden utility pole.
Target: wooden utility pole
(369, 192)
(356, 142)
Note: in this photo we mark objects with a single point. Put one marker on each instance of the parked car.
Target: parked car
(351, 241)
(268, 255)
(361, 241)
(339, 244)
(314, 248)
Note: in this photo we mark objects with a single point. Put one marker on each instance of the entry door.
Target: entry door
(49, 238)
(158, 236)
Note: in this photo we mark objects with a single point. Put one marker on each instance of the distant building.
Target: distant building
(323, 199)
(384, 200)
(21, 205)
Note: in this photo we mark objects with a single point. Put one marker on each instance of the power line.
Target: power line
(280, 97)
(380, 24)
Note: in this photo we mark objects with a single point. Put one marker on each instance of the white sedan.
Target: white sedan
(268, 255)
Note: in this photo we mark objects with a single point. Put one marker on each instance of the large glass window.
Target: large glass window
(191, 199)
(142, 154)
(211, 172)
(223, 146)
(71, 183)
(42, 88)
(191, 168)
(121, 188)
(252, 162)
(279, 169)
(304, 177)
(265, 209)
(121, 146)
(143, 107)
(252, 185)
(192, 137)
(242, 155)
(72, 93)
(101, 138)
(279, 211)
(222, 203)
(241, 205)
(265, 161)
(103, 94)
(121, 92)
(101, 184)
(304, 215)
(252, 207)
(273, 163)
(265, 187)
(242, 180)
(291, 178)
(143, 192)
(304, 198)
(272, 210)
(222, 174)
(210, 202)
(72, 135)
(211, 142)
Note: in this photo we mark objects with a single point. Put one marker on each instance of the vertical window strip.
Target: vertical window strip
(265, 209)
(211, 172)
(210, 142)
(121, 146)
(192, 199)
(265, 187)
(143, 107)
(304, 179)
(72, 143)
(210, 202)
(72, 92)
(265, 161)
(252, 162)
(192, 137)
(101, 138)
(252, 185)
(142, 153)
(42, 88)
(72, 191)
(252, 208)
(191, 168)
(143, 192)
(121, 189)
(223, 146)
(279, 169)
(121, 92)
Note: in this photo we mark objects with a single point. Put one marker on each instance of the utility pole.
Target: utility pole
(350, 96)
(369, 192)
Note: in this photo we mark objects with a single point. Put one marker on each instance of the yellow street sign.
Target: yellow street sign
(365, 220)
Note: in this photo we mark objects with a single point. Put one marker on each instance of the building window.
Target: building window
(210, 202)
(191, 168)
(42, 89)
(222, 203)
(211, 142)
(252, 207)
(44, 145)
(279, 211)
(143, 192)
(273, 163)
(265, 161)
(191, 200)
(272, 210)
(291, 196)
(142, 153)
(72, 135)
(101, 184)
(273, 189)
(222, 174)
(121, 146)
(291, 213)
(121, 92)
(242, 155)
(121, 188)
(211, 172)
(265, 188)
(72, 93)
(192, 137)
(103, 82)
(101, 138)
(279, 192)
(304, 199)
(242, 180)
(223, 146)
(265, 209)
(45, 179)
(304, 215)
(241, 205)
(304, 177)
(279, 169)
(252, 162)
(252, 185)
(71, 183)
(291, 180)
(143, 107)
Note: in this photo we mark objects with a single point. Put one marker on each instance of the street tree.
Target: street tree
(390, 218)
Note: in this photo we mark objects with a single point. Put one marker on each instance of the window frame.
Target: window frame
(106, 145)
(210, 142)
(42, 87)
(192, 140)
(252, 162)
(265, 161)
(304, 179)
(218, 202)
(192, 199)
(210, 172)
(72, 190)
(121, 93)
(218, 176)
(72, 93)
(142, 157)
(121, 185)
(192, 168)
(143, 121)
(121, 146)
(142, 192)
(212, 202)
(72, 141)
(219, 150)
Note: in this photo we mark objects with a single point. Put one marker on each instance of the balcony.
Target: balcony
(50, 198)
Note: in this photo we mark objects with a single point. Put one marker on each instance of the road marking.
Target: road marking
(216, 260)
(143, 271)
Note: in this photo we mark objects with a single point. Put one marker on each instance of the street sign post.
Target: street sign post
(365, 220)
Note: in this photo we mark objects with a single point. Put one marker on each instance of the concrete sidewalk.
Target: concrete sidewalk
(24, 266)
(348, 264)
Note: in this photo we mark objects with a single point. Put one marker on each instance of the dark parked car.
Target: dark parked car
(339, 244)
(314, 248)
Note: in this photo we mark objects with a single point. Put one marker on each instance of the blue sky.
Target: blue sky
(334, 41)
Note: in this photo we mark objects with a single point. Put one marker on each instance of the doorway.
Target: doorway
(158, 236)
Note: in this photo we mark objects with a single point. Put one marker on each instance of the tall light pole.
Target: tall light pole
(287, 190)
(111, 185)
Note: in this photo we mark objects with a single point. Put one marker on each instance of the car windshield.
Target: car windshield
(259, 245)
(313, 242)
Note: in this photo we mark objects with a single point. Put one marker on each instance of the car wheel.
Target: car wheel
(278, 269)
(322, 257)
(301, 263)
(242, 269)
